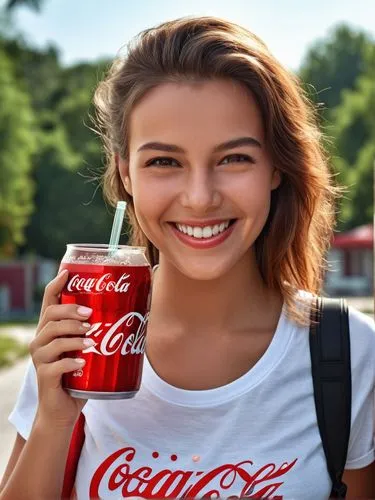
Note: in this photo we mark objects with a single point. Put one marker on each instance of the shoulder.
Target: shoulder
(362, 346)
(362, 337)
(362, 327)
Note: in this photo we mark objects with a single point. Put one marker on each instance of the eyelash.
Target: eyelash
(153, 161)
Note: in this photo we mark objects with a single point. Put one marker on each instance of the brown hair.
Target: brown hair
(291, 248)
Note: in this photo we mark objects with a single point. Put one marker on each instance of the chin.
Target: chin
(204, 270)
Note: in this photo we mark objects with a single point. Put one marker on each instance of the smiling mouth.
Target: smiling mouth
(205, 232)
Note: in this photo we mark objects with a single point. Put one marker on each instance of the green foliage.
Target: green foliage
(70, 209)
(354, 132)
(68, 206)
(75, 107)
(354, 120)
(345, 65)
(17, 144)
(357, 206)
(38, 70)
(333, 64)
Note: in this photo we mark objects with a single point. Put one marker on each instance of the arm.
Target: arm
(36, 467)
(45, 451)
(360, 482)
(19, 443)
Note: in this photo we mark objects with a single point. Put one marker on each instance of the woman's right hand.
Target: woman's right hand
(58, 331)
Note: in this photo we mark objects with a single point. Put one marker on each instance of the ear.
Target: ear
(123, 168)
(276, 179)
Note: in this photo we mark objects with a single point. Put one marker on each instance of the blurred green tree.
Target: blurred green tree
(354, 138)
(17, 144)
(341, 70)
(40, 70)
(333, 64)
(68, 200)
(70, 207)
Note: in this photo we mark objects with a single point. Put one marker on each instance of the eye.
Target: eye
(237, 158)
(162, 162)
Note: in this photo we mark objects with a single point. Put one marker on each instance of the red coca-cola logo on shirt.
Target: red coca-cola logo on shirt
(99, 285)
(117, 474)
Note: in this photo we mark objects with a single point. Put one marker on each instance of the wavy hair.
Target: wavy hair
(291, 249)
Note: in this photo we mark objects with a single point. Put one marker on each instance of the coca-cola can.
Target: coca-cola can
(116, 285)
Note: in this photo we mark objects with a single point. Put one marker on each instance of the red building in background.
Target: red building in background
(351, 260)
(21, 284)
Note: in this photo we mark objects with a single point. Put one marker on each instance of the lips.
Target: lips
(196, 239)
(203, 231)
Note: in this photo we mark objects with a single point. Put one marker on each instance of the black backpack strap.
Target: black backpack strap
(331, 373)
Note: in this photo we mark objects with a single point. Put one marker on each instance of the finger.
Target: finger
(58, 312)
(53, 290)
(55, 329)
(53, 351)
(50, 373)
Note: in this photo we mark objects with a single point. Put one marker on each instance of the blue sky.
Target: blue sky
(90, 29)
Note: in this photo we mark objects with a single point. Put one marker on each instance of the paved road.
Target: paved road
(10, 383)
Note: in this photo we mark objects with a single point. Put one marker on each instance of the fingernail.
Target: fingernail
(80, 361)
(84, 311)
(88, 342)
(85, 325)
(62, 273)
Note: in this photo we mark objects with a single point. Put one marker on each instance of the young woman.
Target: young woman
(216, 150)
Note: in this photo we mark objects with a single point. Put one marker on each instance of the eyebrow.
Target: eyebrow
(171, 148)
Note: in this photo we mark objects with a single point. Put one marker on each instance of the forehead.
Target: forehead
(209, 111)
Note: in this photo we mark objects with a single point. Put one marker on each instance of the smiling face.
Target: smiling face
(199, 174)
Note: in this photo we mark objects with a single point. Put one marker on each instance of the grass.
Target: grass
(11, 350)
(19, 322)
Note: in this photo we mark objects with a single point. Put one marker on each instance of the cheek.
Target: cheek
(255, 203)
(258, 200)
(151, 201)
(251, 194)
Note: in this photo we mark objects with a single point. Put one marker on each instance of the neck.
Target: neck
(236, 301)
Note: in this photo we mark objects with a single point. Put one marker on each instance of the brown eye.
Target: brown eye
(237, 158)
(162, 162)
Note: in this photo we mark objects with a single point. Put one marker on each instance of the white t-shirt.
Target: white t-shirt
(256, 436)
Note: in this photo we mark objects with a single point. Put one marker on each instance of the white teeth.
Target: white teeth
(207, 232)
(198, 232)
(203, 232)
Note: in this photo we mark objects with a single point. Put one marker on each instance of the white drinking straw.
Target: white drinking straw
(117, 225)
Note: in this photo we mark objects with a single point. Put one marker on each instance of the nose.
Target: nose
(200, 193)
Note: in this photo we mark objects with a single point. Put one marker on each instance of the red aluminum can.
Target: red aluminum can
(116, 284)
